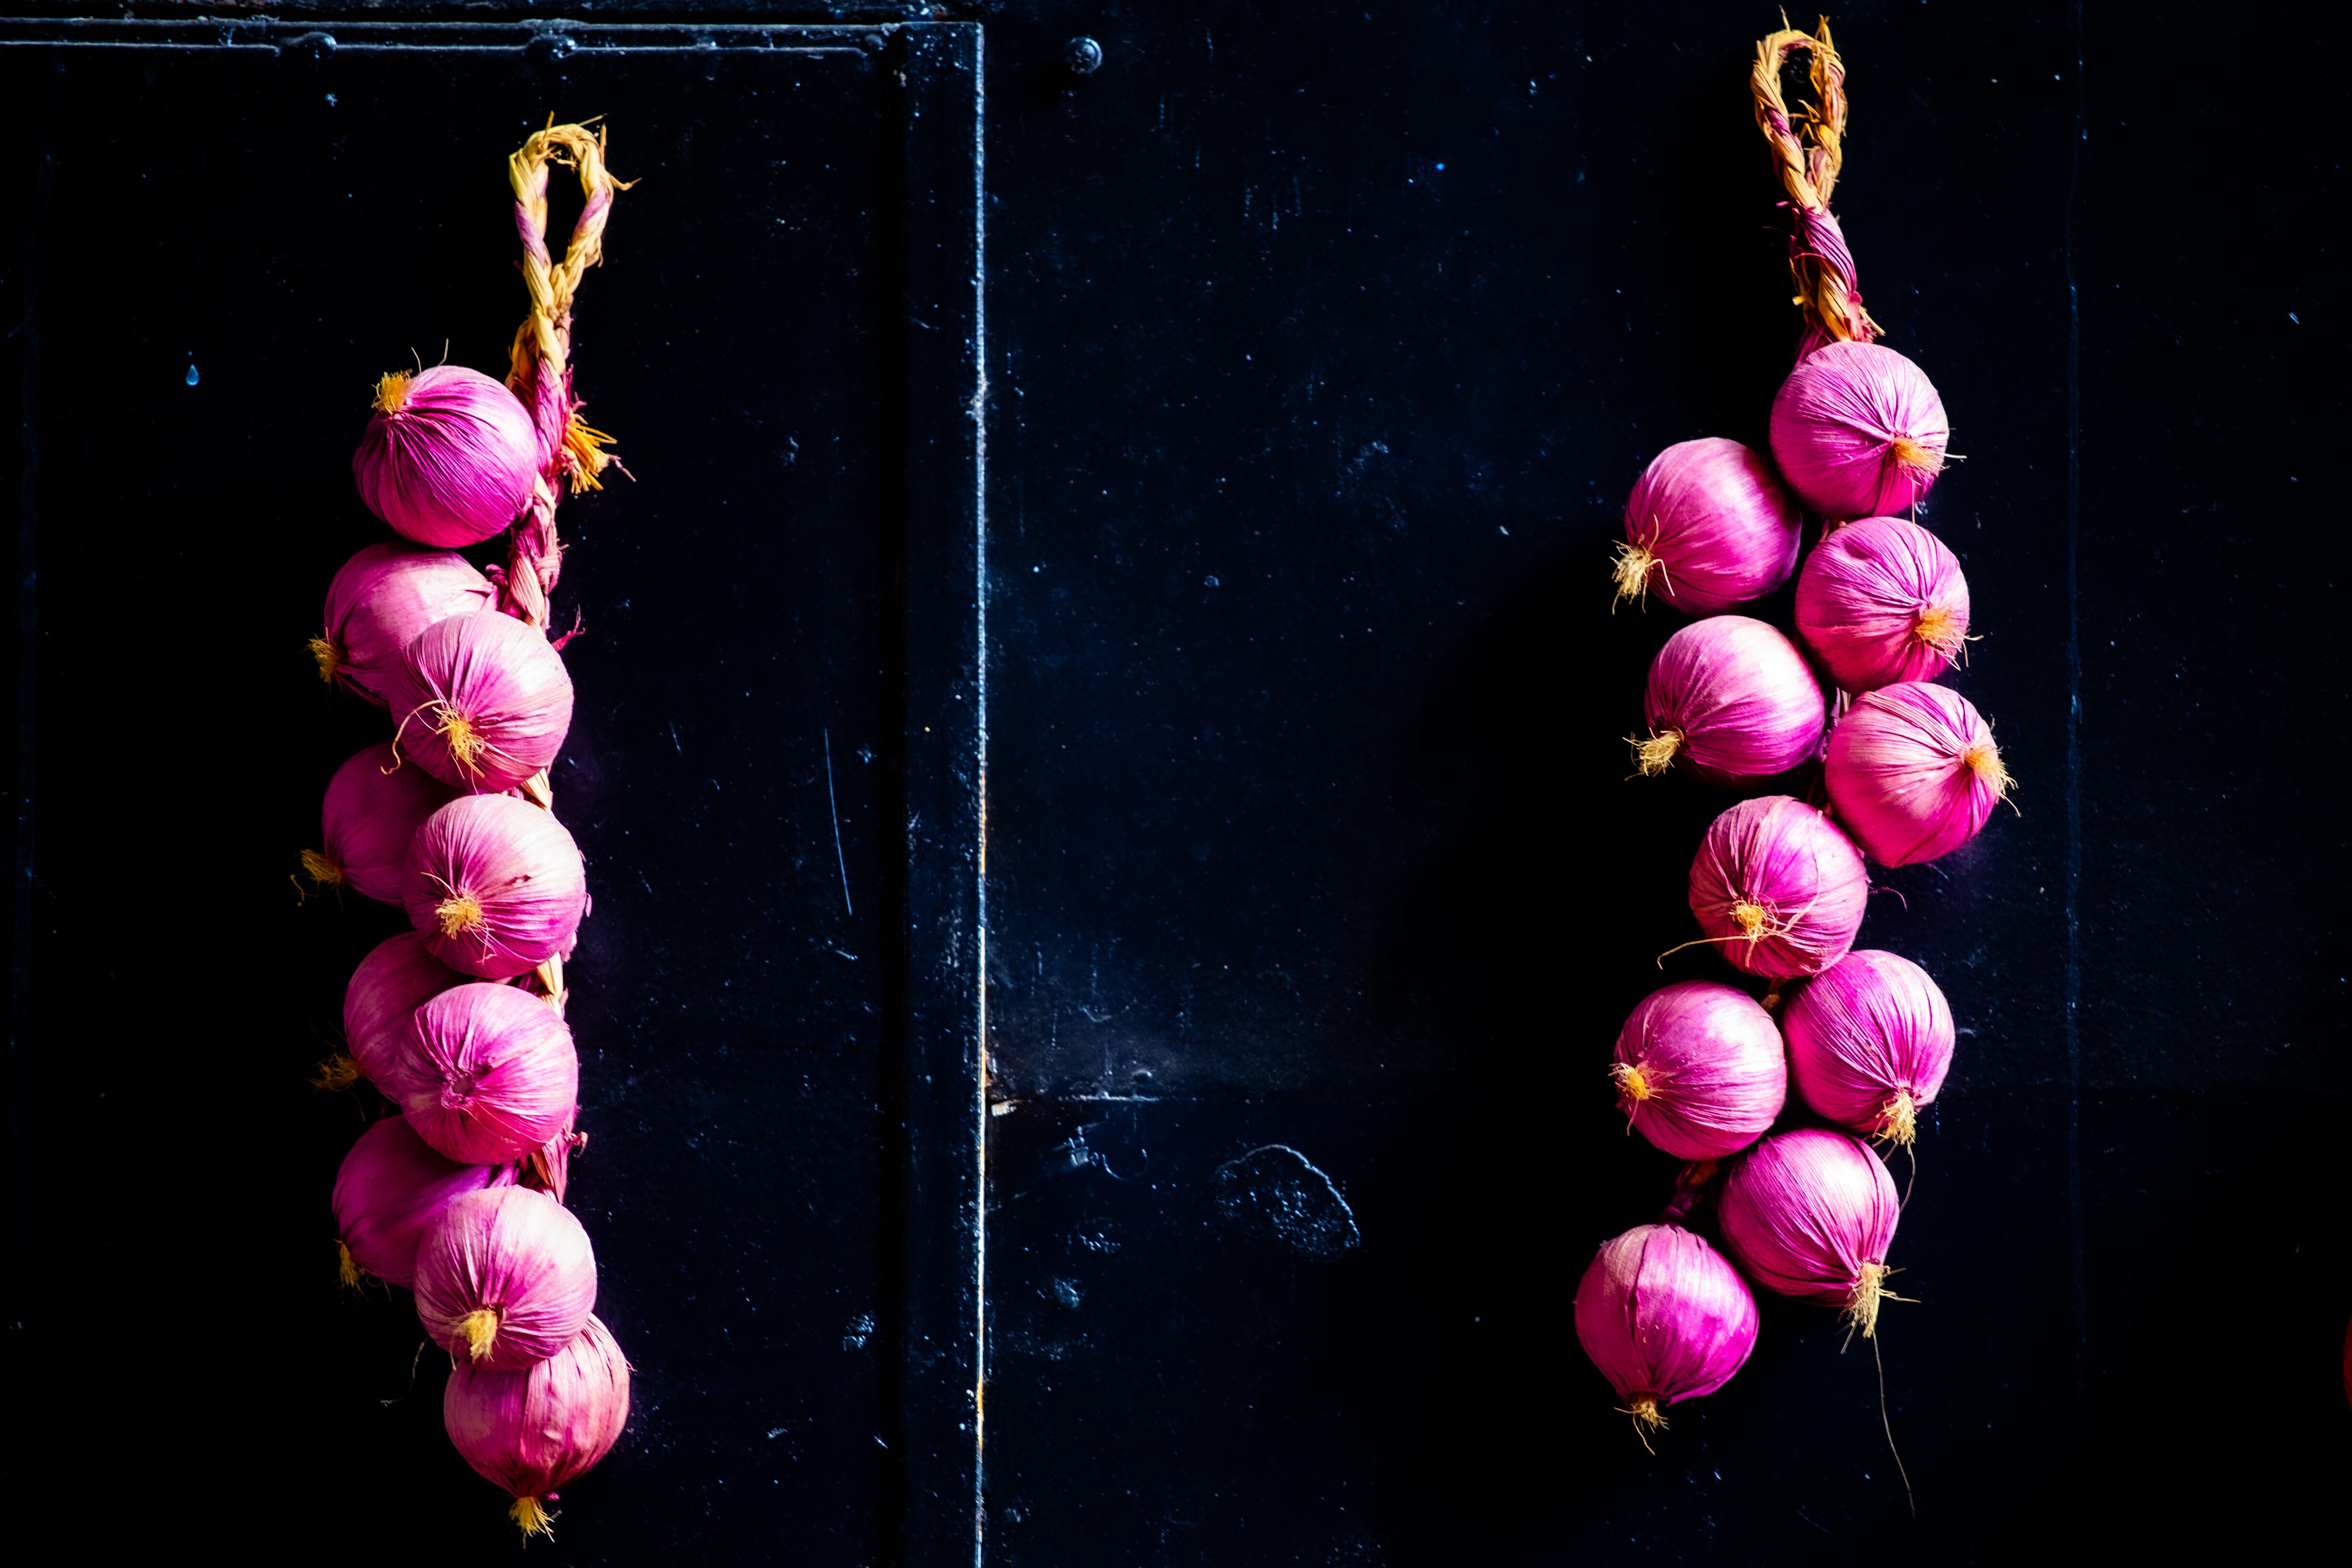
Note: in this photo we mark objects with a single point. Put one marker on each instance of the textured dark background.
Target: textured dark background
(1323, 346)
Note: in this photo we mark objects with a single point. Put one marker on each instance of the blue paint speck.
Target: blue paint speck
(192, 375)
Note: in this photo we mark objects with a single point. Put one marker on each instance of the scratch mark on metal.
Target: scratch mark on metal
(833, 813)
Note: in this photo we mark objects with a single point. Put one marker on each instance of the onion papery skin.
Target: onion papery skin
(1664, 1316)
(1700, 1070)
(1870, 1039)
(398, 976)
(1811, 1213)
(373, 808)
(390, 1188)
(516, 1254)
(381, 599)
(1880, 601)
(1913, 772)
(483, 701)
(1859, 431)
(495, 886)
(1708, 526)
(448, 457)
(535, 1431)
(1738, 700)
(1778, 888)
(490, 1073)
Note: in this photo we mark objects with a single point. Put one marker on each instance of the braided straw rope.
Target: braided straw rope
(573, 452)
(1808, 149)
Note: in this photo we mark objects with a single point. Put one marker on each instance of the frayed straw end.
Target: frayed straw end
(1861, 1307)
(338, 1072)
(1633, 1083)
(480, 1328)
(1899, 1123)
(533, 1517)
(392, 391)
(330, 656)
(1939, 626)
(1634, 564)
(1983, 758)
(1654, 755)
(584, 446)
(1915, 455)
(347, 1273)
(458, 913)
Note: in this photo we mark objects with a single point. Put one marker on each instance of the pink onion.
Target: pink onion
(1858, 430)
(534, 1431)
(1811, 1213)
(449, 456)
(1880, 601)
(483, 700)
(389, 1188)
(373, 807)
(1870, 1039)
(1778, 887)
(1664, 1317)
(495, 886)
(488, 1073)
(1699, 1070)
(392, 982)
(377, 604)
(1708, 526)
(1731, 699)
(505, 1278)
(1912, 773)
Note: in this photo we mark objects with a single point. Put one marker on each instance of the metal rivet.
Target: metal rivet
(1083, 56)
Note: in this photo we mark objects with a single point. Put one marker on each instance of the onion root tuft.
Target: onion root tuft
(458, 913)
(532, 1516)
(1654, 755)
(1634, 564)
(1899, 1123)
(480, 1328)
(392, 391)
(332, 656)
